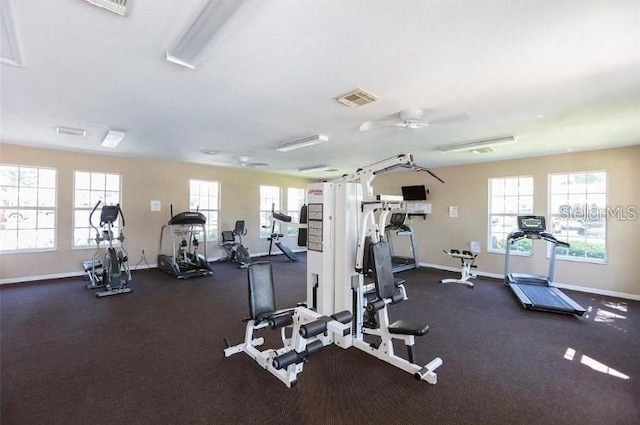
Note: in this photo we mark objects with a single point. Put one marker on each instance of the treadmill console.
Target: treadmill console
(396, 222)
(532, 223)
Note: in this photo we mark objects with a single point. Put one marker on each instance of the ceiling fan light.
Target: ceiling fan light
(414, 125)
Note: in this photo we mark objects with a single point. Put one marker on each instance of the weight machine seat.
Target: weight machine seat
(404, 327)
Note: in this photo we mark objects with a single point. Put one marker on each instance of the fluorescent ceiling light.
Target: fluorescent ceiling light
(479, 146)
(112, 138)
(202, 32)
(71, 131)
(314, 169)
(302, 143)
(210, 151)
(10, 52)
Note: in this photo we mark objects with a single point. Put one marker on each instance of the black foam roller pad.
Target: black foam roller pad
(314, 347)
(314, 328)
(342, 316)
(278, 322)
(284, 360)
(396, 298)
(375, 305)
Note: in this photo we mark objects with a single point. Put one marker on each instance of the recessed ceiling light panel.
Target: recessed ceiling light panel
(113, 138)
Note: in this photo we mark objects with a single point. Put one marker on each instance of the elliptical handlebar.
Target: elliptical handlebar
(91, 216)
(121, 215)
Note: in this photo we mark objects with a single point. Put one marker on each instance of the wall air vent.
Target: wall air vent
(71, 131)
(116, 6)
(357, 97)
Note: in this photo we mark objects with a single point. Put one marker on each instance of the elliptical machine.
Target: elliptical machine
(113, 272)
(236, 251)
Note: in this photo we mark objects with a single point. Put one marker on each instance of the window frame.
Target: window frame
(490, 215)
(265, 232)
(36, 209)
(602, 215)
(116, 225)
(210, 228)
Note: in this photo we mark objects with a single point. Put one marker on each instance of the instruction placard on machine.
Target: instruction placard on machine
(314, 227)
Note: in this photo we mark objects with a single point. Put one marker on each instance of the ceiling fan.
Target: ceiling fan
(411, 119)
(243, 161)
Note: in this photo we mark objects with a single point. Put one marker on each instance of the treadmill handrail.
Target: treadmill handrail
(520, 234)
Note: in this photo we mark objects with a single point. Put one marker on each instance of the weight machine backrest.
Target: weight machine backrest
(380, 255)
(262, 300)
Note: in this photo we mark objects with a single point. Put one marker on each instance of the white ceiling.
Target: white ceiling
(272, 75)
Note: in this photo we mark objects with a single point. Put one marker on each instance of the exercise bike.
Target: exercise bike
(113, 272)
(236, 251)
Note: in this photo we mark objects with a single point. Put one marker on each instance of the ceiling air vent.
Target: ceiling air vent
(115, 6)
(357, 97)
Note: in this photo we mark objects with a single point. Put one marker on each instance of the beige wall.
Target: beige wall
(467, 188)
(142, 181)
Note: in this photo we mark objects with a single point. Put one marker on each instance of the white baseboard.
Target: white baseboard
(596, 291)
(64, 275)
(141, 266)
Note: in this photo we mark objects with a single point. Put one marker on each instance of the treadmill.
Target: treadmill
(538, 292)
(396, 224)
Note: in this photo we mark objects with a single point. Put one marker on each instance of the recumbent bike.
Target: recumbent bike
(236, 251)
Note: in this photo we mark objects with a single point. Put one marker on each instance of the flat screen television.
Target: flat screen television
(414, 193)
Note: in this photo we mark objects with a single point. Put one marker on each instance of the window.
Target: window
(578, 214)
(295, 201)
(204, 196)
(269, 199)
(27, 208)
(508, 198)
(89, 188)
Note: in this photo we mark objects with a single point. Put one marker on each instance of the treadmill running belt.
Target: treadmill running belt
(545, 298)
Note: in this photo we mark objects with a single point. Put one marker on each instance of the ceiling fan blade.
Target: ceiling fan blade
(444, 119)
(369, 125)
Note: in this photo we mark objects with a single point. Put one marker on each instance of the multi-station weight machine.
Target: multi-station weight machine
(345, 245)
